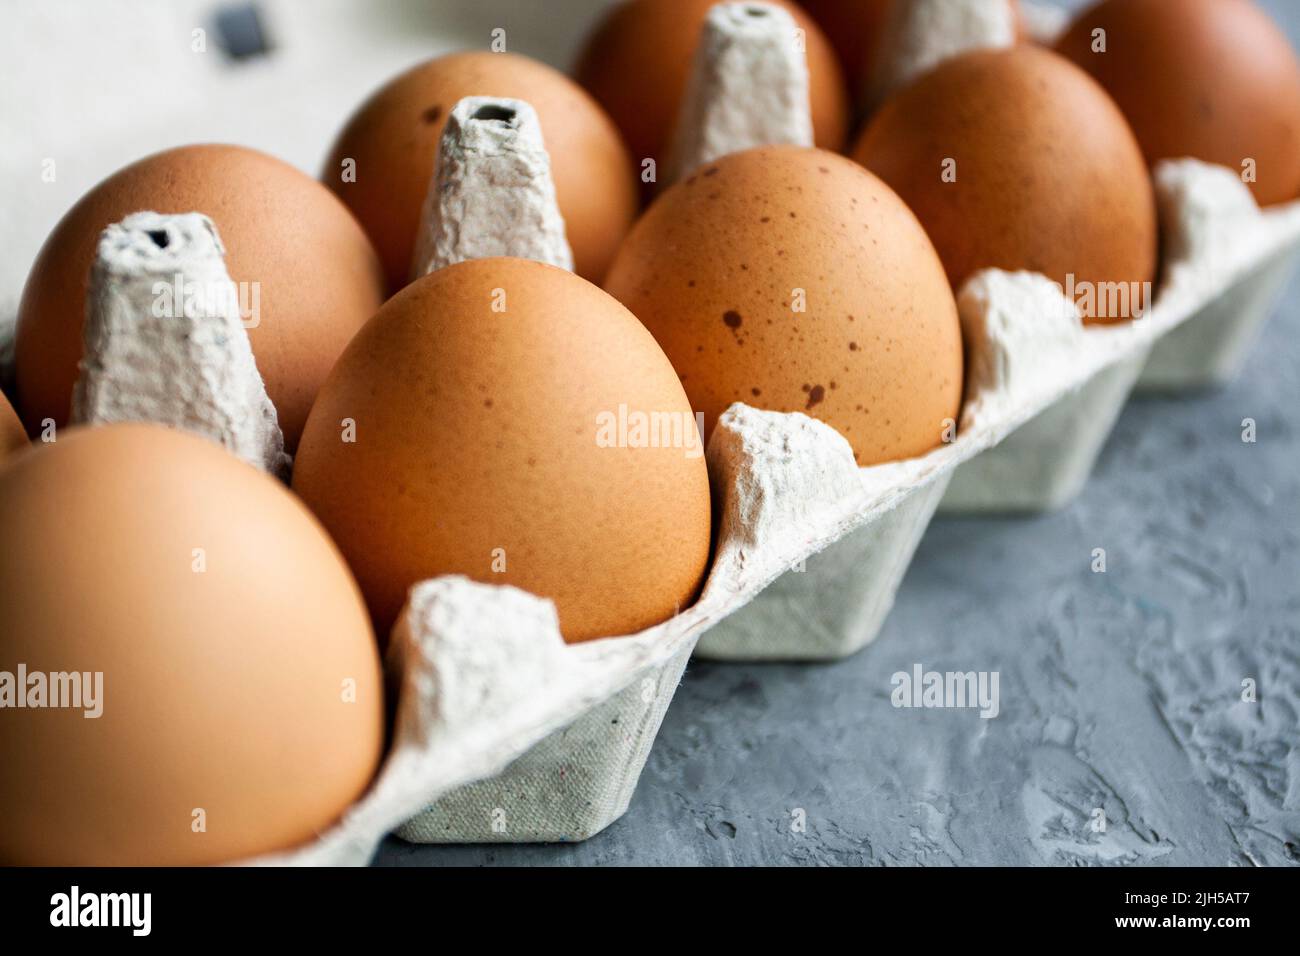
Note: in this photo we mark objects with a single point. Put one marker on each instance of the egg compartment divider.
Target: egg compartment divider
(506, 734)
(1210, 348)
(1228, 261)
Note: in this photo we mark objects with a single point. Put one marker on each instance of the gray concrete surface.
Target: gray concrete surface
(1119, 691)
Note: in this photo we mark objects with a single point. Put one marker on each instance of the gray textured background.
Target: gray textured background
(1119, 690)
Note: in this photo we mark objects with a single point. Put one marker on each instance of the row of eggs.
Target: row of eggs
(787, 278)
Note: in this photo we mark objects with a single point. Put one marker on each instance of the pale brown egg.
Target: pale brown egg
(12, 434)
(308, 276)
(1213, 80)
(790, 279)
(1018, 160)
(638, 62)
(239, 692)
(392, 140)
(509, 421)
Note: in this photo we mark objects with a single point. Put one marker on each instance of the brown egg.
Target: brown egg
(1016, 159)
(317, 278)
(393, 139)
(480, 401)
(853, 28)
(239, 694)
(720, 266)
(12, 434)
(1214, 80)
(638, 61)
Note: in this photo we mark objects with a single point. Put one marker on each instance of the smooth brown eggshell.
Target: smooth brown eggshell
(638, 63)
(223, 689)
(712, 270)
(393, 139)
(12, 434)
(1214, 80)
(853, 27)
(319, 277)
(476, 442)
(1049, 178)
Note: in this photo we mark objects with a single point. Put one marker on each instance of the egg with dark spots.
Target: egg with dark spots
(813, 284)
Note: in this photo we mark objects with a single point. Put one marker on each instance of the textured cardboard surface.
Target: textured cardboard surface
(570, 786)
(834, 603)
(1211, 349)
(1047, 462)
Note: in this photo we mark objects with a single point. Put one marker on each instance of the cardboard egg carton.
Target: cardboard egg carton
(506, 734)
(1210, 348)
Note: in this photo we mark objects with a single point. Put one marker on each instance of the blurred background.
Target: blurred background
(1119, 690)
(94, 85)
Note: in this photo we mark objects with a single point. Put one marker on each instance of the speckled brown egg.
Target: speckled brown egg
(638, 62)
(238, 705)
(315, 274)
(393, 141)
(790, 279)
(1016, 159)
(1214, 80)
(496, 419)
(12, 434)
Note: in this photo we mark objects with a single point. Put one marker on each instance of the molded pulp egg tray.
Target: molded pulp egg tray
(506, 734)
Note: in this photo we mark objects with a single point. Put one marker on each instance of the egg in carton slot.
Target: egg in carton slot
(1242, 264)
(1220, 247)
(1209, 349)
